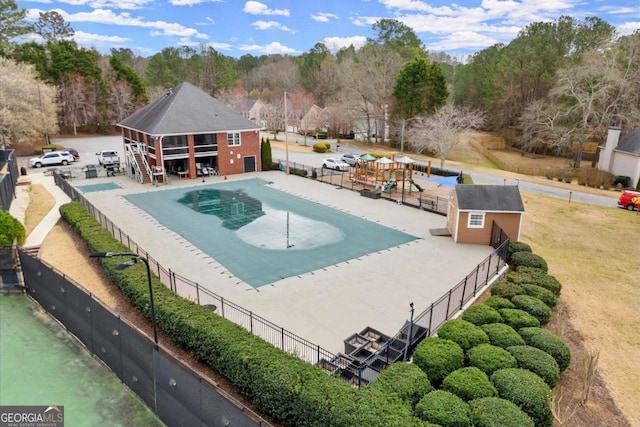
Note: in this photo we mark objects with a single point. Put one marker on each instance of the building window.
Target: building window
(233, 139)
(476, 220)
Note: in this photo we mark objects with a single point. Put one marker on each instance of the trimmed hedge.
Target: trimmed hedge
(505, 289)
(469, 383)
(497, 302)
(535, 276)
(526, 390)
(464, 333)
(496, 412)
(549, 342)
(517, 247)
(538, 362)
(528, 259)
(489, 358)
(443, 408)
(321, 147)
(548, 297)
(438, 357)
(502, 335)
(279, 385)
(406, 380)
(517, 318)
(10, 228)
(534, 306)
(479, 314)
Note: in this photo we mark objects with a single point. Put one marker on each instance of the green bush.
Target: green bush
(51, 147)
(406, 380)
(545, 295)
(549, 342)
(496, 412)
(298, 172)
(497, 302)
(517, 247)
(479, 314)
(438, 357)
(321, 147)
(464, 333)
(526, 390)
(10, 228)
(518, 318)
(505, 289)
(535, 276)
(537, 361)
(502, 335)
(489, 358)
(528, 259)
(444, 408)
(468, 384)
(534, 307)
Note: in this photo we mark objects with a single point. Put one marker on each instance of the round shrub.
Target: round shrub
(493, 411)
(528, 259)
(537, 361)
(548, 297)
(533, 306)
(438, 357)
(526, 390)
(468, 384)
(498, 302)
(517, 318)
(320, 147)
(549, 342)
(489, 358)
(10, 228)
(535, 276)
(502, 335)
(505, 289)
(479, 314)
(517, 247)
(406, 380)
(464, 333)
(444, 408)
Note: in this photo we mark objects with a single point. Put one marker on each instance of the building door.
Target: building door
(250, 164)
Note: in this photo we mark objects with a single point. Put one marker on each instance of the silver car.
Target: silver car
(53, 158)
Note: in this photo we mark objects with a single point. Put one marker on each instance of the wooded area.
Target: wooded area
(556, 86)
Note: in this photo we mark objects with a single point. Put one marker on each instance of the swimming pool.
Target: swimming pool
(261, 234)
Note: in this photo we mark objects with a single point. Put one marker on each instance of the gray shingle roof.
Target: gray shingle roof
(186, 109)
(630, 143)
(497, 198)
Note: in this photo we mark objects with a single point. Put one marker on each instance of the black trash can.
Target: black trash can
(91, 171)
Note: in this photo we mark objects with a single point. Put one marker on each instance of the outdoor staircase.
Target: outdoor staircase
(146, 178)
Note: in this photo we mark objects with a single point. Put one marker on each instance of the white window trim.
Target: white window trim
(239, 139)
(474, 216)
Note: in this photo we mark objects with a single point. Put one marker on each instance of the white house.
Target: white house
(621, 154)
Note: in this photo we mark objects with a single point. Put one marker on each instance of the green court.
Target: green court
(261, 234)
(42, 364)
(90, 188)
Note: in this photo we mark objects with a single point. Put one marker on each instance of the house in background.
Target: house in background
(473, 209)
(185, 130)
(313, 121)
(621, 154)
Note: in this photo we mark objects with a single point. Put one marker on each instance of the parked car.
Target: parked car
(335, 164)
(108, 158)
(74, 153)
(52, 158)
(351, 159)
(630, 200)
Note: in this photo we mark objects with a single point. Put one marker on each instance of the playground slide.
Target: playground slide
(420, 189)
(388, 186)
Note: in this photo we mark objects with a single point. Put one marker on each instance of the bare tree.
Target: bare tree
(79, 106)
(301, 103)
(274, 117)
(121, 101)
(28, 106)
(440, 132)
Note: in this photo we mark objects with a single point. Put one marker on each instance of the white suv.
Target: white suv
(52, 158)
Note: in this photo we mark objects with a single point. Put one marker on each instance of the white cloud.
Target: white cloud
(116, 4)
(207, 21)
(271, 48)
(257, 8)
(337, 43)
(99, 40)
(192, 2)
(462, 40)
(628, 28)
(268, 25)
(323, 17)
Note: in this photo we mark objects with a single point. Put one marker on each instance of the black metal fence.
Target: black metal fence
(8, 179)
(367, 359)
(174, 391)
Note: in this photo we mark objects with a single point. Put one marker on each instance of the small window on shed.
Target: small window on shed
(476, 220)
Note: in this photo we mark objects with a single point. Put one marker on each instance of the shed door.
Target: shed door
(250, 164)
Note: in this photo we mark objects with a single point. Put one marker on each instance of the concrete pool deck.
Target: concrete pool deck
(327, 305)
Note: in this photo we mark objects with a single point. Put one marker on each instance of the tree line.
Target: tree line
(555, 87)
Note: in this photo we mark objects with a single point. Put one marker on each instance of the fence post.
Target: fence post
(222, 307)
(448, 305)
(282, 337)
(198, 293)
(475, 285)
(464, 291)
(430, 318)
(251, 321)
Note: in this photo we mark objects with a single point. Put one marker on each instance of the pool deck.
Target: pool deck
(327, 305)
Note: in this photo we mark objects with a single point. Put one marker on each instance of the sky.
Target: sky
(292, 27)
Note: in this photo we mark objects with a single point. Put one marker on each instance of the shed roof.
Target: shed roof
(630, 143)
(497, 198)
(186, 109)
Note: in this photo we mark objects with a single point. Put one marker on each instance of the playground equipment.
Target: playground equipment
(415, 184)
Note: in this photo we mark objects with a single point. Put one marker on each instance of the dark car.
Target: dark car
(73, 152)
